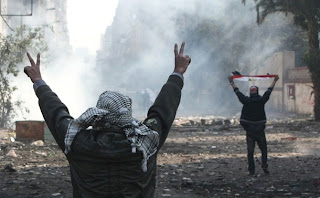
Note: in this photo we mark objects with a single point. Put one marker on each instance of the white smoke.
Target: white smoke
(137, 54)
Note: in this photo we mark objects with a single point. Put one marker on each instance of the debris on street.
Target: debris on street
(202, 157)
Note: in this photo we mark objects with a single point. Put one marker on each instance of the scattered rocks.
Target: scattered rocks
(38, 143)
(12, 153)
(9, 168)
(202, 157)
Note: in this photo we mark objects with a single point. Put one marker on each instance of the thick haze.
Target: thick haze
(136, 55)
(221, 36)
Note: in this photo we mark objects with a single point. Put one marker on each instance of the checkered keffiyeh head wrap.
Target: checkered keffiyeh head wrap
(114, 109)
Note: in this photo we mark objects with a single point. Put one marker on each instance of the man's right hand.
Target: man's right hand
(276, 78)
(181, 61)
(33, 71)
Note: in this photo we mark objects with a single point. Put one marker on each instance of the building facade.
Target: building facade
(293, 92)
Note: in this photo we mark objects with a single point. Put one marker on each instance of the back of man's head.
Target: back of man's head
(254, 91)
(118, 105)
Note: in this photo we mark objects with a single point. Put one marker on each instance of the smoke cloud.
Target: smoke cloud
(221, 37)
(136, 56)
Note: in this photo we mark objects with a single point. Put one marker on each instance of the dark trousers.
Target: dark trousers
(255, 133)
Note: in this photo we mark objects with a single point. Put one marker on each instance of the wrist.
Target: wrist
(36, 79)
(177, 71)
(38, 83)
(178, 74)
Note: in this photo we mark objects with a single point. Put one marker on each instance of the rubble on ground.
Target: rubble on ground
(202, 157)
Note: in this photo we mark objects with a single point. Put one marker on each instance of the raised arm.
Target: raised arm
(276, 78)
(162, 113)
(55, 113)
(267, 94)
(242, 98)
(232, 83)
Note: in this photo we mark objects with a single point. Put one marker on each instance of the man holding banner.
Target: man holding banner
(253, 118)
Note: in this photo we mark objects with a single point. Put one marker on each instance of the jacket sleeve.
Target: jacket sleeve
(266, 95)
(55, 113)
(242, 98)
(162, 113)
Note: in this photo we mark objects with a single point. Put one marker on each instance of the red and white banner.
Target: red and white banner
(252, 77)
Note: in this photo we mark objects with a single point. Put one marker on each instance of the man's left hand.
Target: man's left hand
(33, 71)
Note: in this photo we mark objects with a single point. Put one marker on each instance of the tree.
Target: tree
(13, 48)
(306, 15)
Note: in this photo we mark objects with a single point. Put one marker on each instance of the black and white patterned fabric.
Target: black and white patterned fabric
(114, 109)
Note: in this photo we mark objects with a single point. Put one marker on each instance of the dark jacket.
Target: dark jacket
(101, 162)
(253, 107)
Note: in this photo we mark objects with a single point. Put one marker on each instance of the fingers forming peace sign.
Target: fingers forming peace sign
(181, 61)
(33, 71)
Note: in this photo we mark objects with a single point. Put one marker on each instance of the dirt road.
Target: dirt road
(202, 157)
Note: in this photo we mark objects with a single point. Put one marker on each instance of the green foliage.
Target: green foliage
(13, 48)
(304, 11)
(306, 15)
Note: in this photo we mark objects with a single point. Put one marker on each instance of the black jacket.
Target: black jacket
(101, 162)
(253, 107)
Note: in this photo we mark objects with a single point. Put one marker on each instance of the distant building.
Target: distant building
(36, 13)
(293, 92)
(123, 37)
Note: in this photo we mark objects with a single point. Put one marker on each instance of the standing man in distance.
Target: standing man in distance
(253, 119)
